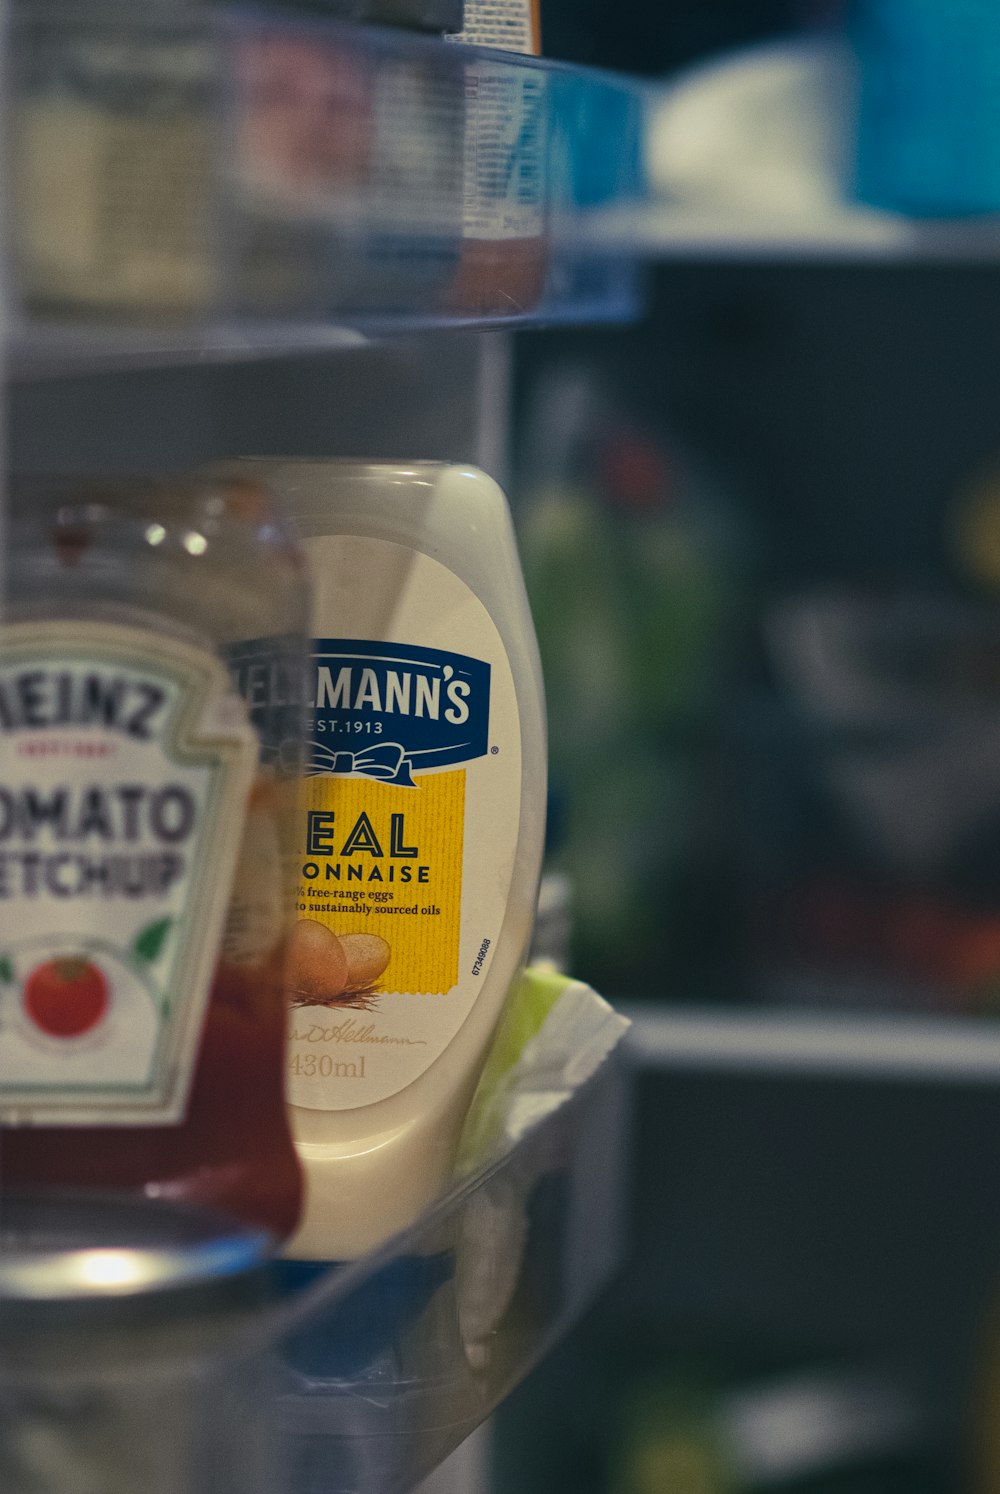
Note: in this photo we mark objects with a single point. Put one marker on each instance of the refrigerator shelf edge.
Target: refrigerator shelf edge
(832, 1044)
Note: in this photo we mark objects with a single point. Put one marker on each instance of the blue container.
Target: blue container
(928, 140)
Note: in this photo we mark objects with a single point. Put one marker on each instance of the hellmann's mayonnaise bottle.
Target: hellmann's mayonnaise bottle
(421, 834)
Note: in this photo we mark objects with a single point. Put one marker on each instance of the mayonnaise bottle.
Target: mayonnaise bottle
(421, 833)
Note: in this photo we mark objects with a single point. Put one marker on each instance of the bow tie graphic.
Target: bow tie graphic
(387, 762)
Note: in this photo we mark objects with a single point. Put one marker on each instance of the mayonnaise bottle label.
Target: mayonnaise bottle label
(125, 763)
(409, 823)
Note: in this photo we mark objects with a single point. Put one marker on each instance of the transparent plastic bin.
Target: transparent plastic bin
(386, 1365)
(235, 177)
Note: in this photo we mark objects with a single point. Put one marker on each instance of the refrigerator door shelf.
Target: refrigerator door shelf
(387, 1364)
(229, 181)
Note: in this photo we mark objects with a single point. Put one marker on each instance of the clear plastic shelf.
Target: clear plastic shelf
(386, 1365)
(237, 181)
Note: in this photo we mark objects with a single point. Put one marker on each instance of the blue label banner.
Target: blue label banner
(384, 709)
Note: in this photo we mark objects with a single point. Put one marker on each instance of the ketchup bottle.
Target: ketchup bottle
(150, 696)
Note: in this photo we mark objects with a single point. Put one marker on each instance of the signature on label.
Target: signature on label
(351, 1031)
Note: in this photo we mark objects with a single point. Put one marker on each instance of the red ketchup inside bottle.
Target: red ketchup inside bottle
(233, 1148)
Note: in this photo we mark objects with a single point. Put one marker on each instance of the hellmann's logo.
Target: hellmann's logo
(385, 710)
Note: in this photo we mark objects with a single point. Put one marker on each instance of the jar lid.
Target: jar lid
(68, 1247)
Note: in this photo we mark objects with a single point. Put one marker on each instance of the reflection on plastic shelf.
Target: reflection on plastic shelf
(247, 167)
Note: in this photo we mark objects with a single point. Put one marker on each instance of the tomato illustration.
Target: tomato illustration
(66, 997)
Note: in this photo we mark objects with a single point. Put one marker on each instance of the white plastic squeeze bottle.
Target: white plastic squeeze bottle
(421, 830)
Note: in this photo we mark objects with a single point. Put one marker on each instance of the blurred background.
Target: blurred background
(762, 539)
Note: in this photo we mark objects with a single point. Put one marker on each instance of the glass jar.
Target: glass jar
(145, 804)
(130, 1353)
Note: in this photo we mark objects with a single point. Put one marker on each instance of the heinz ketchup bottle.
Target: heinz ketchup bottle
(150, 691)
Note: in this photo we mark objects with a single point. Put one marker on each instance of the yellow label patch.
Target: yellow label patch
(384, 860)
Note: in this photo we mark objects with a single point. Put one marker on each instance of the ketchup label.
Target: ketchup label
(408, 825)
(126, 759)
